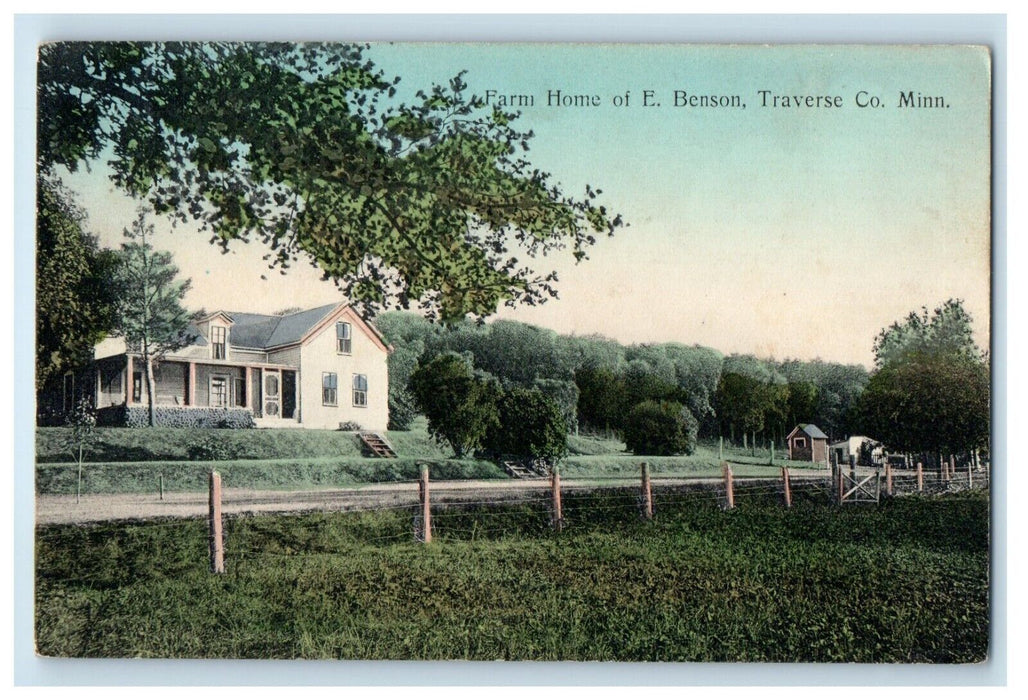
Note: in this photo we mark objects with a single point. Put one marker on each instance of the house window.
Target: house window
(239, 391)
(137, 387)
(114, 381)
(218, 342)
(344, 343)
(329, 388)
(360, 390)
(801, 442)
(219, 391)
(69, 392)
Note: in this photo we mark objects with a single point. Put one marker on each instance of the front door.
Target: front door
(272, 393)
(289, 394)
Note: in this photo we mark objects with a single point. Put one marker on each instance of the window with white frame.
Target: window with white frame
(219, 344)
(801, 442)
(360, 390)
(344, 341)
(329, 389)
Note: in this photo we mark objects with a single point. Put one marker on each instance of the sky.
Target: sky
(782, 231)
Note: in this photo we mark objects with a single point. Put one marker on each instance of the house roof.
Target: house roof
(267, 331)
(811, 431)
(263, 331)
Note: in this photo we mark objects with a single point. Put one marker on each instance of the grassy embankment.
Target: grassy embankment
(129, 460)
(904, 582)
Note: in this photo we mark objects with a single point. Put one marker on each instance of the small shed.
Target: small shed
(855, 445)
(807, 444)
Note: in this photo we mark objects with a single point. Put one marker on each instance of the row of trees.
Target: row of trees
(597, 381)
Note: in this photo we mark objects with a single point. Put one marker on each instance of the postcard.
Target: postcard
(523, 352)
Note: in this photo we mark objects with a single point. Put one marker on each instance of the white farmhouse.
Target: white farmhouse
(318, 368)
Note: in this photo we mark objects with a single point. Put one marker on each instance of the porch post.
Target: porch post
(247, 371)
(191, 385)
(128, 380)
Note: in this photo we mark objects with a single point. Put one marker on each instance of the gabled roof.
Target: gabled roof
(264, 331)
(811, 431)
(268, 331)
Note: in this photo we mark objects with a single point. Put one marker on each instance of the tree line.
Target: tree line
(596, 382)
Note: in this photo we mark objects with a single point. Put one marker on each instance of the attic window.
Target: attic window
(344, 343)
(218, 342)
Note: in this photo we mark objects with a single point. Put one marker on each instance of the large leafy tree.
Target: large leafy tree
(461, 407)
(930, 389)
(151, 316)
(431, 204)
(75, 302)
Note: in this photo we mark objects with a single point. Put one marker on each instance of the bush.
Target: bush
(531, 426)
(660, 428)
(350, 426)
(460, 407)
(211, 449)
(176, 417)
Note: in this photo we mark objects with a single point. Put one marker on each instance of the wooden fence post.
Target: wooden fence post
(878, 486)
(888, 478)
(160, 484)
(952, 474)
(721, 449)
(787, 487)
(970, 479)
(772, 453)
(920, 478)
(726, 471)
(217, 544)
(839, 483)
(558, 514)
(426, 506)
(647, 492)
(853, 468)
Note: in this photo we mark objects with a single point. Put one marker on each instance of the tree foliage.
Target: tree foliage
(310, 149)
(530, 426)
(929, 402)
(75, 301)
(461, 408)
(660, 428)
(930, 389)
(150, 313)
(947, 330)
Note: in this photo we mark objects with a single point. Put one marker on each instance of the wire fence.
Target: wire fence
(446, 512)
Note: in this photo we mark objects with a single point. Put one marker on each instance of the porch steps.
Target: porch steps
(377, 445)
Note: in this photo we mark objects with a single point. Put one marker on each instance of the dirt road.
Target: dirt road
(52, 509)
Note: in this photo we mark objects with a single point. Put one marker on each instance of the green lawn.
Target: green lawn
(131, 460)
(906, 582)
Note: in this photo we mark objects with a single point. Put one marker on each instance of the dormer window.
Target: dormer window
(344, 342)
(219, 342)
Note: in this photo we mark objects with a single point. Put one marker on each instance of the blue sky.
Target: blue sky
(783, 232)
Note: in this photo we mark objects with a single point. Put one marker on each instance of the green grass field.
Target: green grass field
(906, 581)
(310, 459)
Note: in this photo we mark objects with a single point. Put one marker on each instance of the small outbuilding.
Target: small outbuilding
(866, 450)
(807, 443)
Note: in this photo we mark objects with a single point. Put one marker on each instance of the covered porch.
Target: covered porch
(269, 391)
